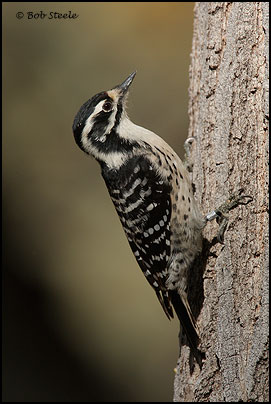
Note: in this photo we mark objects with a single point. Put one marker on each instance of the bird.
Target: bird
(152, 192)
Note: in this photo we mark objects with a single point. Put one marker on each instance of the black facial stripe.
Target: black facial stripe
(102, 121)
(86, 110)
(113, 142)
(118, 115)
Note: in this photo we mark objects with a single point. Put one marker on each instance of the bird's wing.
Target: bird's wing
(143, 203)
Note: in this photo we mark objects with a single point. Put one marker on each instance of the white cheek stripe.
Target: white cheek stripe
(114, 160)
(111, 121)
(90, 121)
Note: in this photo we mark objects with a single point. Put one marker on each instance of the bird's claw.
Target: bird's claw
(221, 214)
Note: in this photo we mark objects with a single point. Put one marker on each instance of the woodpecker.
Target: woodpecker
(153, 196)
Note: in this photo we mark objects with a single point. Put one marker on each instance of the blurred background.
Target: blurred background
(80, 322)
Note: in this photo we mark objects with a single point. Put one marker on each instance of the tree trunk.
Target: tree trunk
(229, 121)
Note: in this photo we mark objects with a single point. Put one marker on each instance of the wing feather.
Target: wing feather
(142, 200)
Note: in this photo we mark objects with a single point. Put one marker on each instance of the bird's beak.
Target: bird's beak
(126, 84)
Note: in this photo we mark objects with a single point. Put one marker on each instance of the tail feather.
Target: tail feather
(185, 316)
(165, 303)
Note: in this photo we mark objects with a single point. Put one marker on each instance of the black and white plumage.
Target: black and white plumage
(152, 193)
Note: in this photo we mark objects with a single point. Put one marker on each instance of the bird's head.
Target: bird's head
(96, 124)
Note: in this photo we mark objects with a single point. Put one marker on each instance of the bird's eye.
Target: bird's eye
(107, 106)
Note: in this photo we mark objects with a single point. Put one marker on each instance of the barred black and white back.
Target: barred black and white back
(152, 193)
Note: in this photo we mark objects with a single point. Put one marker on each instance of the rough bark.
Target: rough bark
(229, 120)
